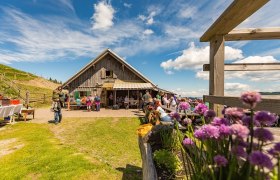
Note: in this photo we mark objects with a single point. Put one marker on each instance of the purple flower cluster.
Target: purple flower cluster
(234, 113)
(219, 121)
(251, 98)
(265, 118)
(220, 160)
(239, 151)
(239, 130)
(188, 142)
(246, 121)
(184, 106)
(207, 131)
(260, 159)
(176, 116)
(275, 151)
(263, 135)
(200, 108)
(209, 114)
(224, 130)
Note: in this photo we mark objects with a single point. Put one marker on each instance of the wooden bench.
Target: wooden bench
(75, 106)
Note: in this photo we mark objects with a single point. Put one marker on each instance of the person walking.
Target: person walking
(111, 100)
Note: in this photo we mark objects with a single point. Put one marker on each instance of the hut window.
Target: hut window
(109, 74)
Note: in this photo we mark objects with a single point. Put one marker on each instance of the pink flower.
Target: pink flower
(234, 114)
(187, 121)
(188, 142)
(219, 121)
(224, 130)
(251, 98)
(239, 130)
(200, 108)
(184, 106)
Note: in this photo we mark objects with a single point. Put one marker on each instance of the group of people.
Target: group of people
(92, 102)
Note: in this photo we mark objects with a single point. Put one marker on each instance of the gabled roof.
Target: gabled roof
(98, 58)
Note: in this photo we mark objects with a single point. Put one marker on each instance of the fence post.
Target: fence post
(44, 100)
(27, 99)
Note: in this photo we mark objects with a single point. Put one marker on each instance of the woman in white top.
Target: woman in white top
(163, 115)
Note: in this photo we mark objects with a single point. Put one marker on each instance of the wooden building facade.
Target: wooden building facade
(109, 74)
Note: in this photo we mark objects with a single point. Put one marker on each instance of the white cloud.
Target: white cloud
(169, 72)
(103, 16)
(187, 12)
(148, 32)
(194, 57)
(234, 89)
(258, 59)
(68, 4)
(188, 93)
(152, 12)
(50, 38)
(127, 5)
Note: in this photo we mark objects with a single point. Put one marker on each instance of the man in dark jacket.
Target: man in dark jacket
(57, 104)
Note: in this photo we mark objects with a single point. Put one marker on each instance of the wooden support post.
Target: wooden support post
(216, 74)
(27, 99)
(115, 97)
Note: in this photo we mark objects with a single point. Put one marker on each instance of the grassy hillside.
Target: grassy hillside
(15, 83)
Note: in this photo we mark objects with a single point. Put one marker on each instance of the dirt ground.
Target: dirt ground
(40, 82)
(43, 115)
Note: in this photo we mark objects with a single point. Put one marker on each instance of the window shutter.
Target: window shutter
(103, 74)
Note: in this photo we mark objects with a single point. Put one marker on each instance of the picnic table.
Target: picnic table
(187, 113)
(29, 111)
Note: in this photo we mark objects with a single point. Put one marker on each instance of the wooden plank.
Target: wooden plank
(237, 12)
(272, 105)
(247, 67)
(216, 74)
(253, 34)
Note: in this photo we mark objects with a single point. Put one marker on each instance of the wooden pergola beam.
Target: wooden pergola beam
(253, 34)
(236, 13)
(272, 105)
(247, 67)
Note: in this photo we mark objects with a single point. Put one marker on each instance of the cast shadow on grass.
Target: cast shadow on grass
(131, 172)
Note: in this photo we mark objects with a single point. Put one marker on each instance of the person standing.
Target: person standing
(111, 100)
(88, 103)
(97, 102)
(147, 99)
(57, 104)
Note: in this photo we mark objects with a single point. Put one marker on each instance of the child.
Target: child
(88, 103)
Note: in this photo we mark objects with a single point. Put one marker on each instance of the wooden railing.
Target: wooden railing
(267, 104)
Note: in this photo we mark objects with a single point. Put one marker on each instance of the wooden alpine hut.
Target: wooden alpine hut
(107, 75)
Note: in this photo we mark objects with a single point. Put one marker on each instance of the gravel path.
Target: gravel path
(43, 115)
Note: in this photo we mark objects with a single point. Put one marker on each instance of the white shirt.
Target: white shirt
(162, 112)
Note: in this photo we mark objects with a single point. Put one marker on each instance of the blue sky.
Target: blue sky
(160, 38)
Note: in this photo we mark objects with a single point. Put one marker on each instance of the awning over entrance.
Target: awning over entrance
(132, 86)
(108, 86)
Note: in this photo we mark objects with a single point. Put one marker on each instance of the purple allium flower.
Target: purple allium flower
(200, 108)
(220, 160)
(187, 121)
(251, 98)
(246, 121)
(224, 130)
(239, 151)
(260, 159)
(239, 130)
(184, 106)
(277, 147)
(263, 135)
(265, 118)
(175, 115)
(211, 131)
(188, 142)
(219, 121)
(209, 114)
(200, 134)
(272, 152)
(235, 114)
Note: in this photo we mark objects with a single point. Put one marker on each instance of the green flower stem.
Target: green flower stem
(278, 167)
(221, 174)
(203, 120)
(251, 130)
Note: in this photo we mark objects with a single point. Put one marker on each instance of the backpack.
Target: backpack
(97, 99)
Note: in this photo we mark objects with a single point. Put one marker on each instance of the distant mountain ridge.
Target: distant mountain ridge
(270, 93)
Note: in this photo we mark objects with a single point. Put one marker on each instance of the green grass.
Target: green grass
(20, 75)
(79, 148)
